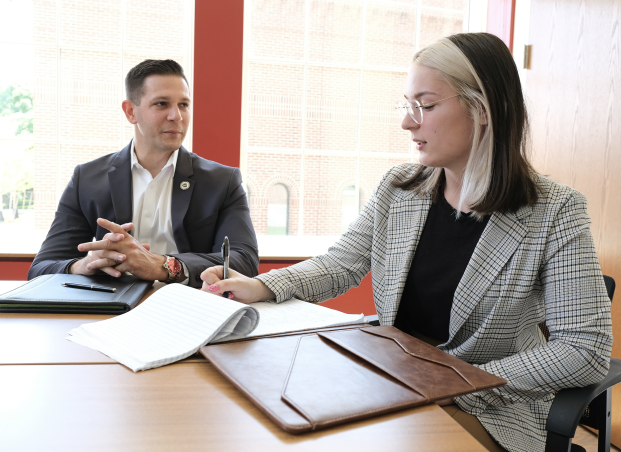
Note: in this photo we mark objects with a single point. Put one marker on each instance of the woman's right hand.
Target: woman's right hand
(241, 288)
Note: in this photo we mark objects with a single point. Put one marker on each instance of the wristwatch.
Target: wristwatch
(173, 267)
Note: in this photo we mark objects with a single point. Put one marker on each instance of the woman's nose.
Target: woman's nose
(408, 123)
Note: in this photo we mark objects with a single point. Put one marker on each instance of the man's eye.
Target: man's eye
(161, 104)
(428, 108)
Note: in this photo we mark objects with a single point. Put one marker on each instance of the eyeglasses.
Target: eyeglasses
(415, 109)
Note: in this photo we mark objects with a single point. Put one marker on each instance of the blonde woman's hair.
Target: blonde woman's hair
(497, 177)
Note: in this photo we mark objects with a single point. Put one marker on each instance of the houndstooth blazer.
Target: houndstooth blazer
(537, 264)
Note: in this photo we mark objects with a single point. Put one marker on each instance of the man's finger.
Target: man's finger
(113, 237)
(103, 262)
(127, 226)
(96, 246)
(111, 271)
(105, 265)
(111, 226)
(122, 267)
(146, 246)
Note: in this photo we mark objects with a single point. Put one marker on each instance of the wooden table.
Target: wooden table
(71, 398)
(183, 407)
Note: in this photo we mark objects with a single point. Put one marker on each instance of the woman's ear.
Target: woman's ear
(483, 117)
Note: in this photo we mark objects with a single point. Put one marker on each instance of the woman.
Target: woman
(471, 249)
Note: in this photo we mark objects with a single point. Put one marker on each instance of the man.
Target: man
(155, 209)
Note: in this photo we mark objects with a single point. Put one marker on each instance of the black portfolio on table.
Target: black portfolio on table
(47, 294)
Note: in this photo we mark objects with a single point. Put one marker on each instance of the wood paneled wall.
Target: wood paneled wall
(574, 98)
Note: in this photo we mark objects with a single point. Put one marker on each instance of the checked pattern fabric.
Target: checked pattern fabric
(537, 264)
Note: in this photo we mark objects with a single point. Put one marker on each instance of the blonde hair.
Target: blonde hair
(496, 164)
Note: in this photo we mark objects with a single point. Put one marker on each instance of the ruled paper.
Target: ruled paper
(296, 315)
(170, 325)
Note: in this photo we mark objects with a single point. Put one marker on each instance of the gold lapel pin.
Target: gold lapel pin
(185, 185)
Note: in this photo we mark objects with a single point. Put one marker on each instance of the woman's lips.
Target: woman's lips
(420, 145)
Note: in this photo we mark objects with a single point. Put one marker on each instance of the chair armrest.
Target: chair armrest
(569, 404)
(373, 320)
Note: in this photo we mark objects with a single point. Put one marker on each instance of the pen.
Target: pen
(88, 287)
(225, 259)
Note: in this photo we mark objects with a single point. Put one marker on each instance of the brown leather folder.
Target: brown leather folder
(317, 380)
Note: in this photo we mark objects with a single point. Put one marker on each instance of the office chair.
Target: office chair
(590, 406)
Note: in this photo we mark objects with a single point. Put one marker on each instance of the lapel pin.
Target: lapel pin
(185, 185)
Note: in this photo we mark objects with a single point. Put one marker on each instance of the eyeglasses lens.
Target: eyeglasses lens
(415, 113)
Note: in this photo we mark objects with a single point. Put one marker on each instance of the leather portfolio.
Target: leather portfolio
(47, 294)
(312, 381)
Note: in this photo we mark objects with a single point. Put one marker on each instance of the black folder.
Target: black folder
(46, 294)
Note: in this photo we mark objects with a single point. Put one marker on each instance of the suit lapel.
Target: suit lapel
(181, 198)
(120, 180)
(499, 241)
(406, 220)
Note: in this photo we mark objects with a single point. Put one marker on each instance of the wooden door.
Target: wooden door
(574, 98)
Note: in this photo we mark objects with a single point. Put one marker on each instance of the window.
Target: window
(321, 78)
(350, 207)
(278, 210)
(60, 96)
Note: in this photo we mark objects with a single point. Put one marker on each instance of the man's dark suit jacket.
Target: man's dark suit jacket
(212, 207)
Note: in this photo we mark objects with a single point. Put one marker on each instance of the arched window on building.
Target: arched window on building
(350, 208)
(278, 210)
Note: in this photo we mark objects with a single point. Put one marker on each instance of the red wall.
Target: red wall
(355, 301)
(14, 270)
(218, 57)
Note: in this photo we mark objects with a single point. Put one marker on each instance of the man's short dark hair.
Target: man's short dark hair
(134, 81)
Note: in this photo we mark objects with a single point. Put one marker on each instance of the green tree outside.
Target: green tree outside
(16, 157)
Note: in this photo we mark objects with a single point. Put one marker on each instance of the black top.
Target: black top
(444, 250)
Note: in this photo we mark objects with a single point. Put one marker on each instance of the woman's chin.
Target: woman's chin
(426, 161)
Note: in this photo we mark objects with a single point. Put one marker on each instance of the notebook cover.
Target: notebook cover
(46, 294)
(314, 381)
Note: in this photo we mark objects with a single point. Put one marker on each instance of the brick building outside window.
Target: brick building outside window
(318, 122)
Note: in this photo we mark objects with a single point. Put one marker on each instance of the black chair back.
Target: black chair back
(610, 286)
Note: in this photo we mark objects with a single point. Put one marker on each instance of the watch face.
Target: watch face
(173, 265)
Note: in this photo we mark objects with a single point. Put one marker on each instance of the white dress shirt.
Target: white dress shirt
(151, 201)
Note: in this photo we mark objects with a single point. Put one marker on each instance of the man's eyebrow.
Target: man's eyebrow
(155, 99)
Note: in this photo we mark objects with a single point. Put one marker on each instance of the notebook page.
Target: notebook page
(170, 325)
(296, 315)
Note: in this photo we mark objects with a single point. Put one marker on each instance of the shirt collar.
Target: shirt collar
(171, 161)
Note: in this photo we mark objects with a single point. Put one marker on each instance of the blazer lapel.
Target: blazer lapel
(120, 180)
(181, 197)
(406, 220)
(497, 244)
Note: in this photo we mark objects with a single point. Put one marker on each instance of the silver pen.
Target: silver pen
(225, 259)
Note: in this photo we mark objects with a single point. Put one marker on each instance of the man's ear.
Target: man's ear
(129, 108)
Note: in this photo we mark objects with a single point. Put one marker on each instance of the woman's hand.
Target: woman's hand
(240, 287)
